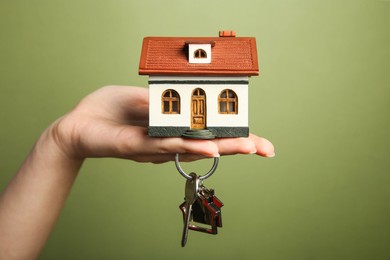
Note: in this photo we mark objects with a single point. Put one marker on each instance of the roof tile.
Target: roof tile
(168, 56)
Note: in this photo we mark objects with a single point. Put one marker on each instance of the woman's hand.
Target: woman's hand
(112, 122)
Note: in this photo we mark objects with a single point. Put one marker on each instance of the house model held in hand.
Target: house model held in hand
(198, 86)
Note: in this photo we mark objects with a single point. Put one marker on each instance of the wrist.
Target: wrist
(57, 140)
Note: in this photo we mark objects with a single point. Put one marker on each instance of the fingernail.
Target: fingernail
(216, 155)
(253, 151)
(270, 155)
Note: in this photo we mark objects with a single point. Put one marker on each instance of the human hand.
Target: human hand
(112, 122)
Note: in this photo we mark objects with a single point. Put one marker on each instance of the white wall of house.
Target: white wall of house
(157, 118)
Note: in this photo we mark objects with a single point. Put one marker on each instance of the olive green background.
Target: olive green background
(323, 98)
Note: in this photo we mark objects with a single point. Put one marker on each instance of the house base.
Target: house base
(198, 134)
(217, 132)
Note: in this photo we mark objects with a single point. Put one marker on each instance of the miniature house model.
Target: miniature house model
(198, 86)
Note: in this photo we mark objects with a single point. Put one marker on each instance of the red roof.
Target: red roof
(229, 56)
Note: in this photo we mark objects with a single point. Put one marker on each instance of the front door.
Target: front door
(198, 109)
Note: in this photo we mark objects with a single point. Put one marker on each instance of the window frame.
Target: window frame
(201, 52)
(231, 97)
(172, 97)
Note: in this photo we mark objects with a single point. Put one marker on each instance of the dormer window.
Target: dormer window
(199, 52)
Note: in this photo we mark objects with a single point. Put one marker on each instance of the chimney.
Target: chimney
(227, 34)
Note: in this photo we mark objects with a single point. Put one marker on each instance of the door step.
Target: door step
(198, 134)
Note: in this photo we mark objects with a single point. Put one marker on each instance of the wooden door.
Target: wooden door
(198, 109)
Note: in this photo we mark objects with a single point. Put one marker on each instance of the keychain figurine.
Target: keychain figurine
(198, 88)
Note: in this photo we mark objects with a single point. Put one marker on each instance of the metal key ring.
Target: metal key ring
(203, 177)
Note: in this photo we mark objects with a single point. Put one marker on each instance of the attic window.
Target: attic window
(200, 54)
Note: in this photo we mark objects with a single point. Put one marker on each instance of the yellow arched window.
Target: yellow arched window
(228, 102)
(170, 102)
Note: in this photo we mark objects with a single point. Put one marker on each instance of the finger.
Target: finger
(204, 148)
(119, 102)
(230, 146)
(227, 146)
(263, 147)
(162, 158)
(134, 140)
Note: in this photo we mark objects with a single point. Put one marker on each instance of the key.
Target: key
(191, 194)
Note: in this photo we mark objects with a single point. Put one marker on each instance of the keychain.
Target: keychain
(200, 203)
